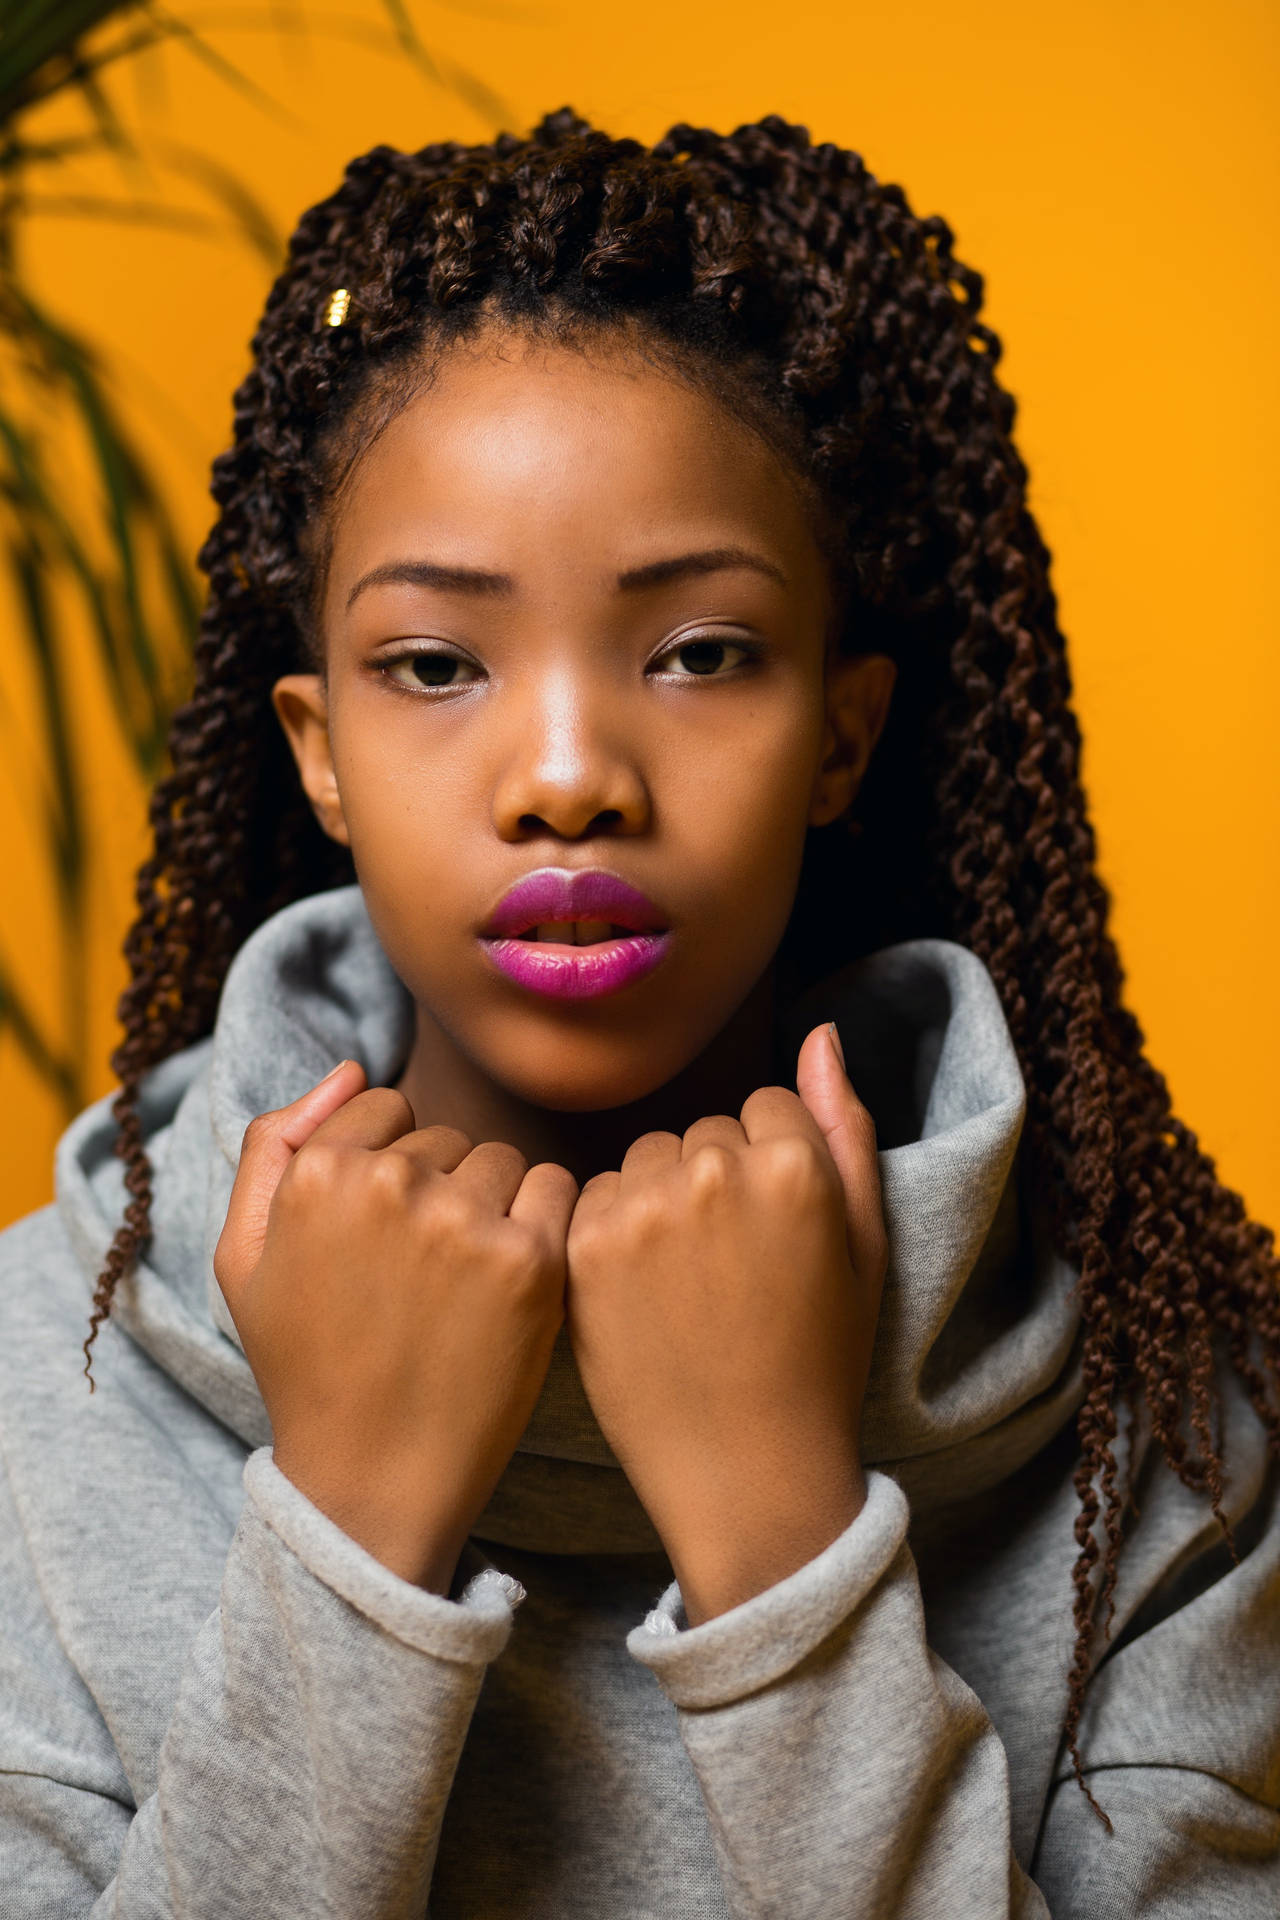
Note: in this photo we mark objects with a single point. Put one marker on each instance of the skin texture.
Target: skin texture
(395, 1394)
(574, 733)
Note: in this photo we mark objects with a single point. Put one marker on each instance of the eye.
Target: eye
(434, 670)
(430, 670)
(707, 656)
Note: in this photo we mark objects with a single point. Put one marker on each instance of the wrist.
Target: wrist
(742, 1552)
(411, 1542)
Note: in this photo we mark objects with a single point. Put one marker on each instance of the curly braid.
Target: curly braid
(810, 298)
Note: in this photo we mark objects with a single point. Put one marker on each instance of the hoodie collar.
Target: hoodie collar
(976, 1359)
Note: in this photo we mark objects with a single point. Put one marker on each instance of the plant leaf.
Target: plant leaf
(27, 566)
(227, 70)
(130, 213)
(61, 1074)
(36, 32)
(248, 212)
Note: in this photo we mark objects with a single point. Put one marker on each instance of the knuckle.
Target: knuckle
(765, 1101)
(596, 1186)
(388, 1174)
(222, 1263)
(505, 1157)
(656, 1136)
(710, 1168)
(587, 1237)
(439, 1138)
(794, 1166)
(311, 1172)
(388, 1100)
(645, 1215)
(259, 1129)
(449, 1215)
(556, 1181)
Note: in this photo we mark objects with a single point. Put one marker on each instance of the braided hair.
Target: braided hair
(809, 297)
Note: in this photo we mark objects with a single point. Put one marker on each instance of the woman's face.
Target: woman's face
(574, 617)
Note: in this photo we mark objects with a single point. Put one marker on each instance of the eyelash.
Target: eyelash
(751, 649)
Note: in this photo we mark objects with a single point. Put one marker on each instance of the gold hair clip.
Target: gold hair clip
(339, 303)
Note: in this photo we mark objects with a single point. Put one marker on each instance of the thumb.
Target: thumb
(269, 1144)
(850, 1133)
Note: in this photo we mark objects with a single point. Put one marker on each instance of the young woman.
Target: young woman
(735, 1395)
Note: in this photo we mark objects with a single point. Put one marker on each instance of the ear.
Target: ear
(858, 690)
(302, 709)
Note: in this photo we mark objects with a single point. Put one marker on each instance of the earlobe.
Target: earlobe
(302, 710)
(858, 691)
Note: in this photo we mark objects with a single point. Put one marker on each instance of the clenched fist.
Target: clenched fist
(722, 1296)
(397, 1292)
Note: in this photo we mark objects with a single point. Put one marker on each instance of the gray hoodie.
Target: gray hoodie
(214, 1703)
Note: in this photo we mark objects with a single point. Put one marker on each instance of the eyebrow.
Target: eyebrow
(477, 580)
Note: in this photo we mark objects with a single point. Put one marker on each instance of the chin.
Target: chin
(596, 1087)
(590, 1097)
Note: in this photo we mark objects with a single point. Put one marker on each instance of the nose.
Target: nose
(570, 765)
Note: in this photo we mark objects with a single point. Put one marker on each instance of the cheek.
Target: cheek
(744, 834)
(752, 789)
(397, 796)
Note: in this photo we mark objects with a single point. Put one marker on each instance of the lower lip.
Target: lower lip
(564, 972)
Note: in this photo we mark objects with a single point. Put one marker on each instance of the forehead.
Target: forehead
(508, 438)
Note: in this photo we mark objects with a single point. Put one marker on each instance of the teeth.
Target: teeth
(573, 933)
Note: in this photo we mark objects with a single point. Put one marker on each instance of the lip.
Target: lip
(562, 893)
(557, 969)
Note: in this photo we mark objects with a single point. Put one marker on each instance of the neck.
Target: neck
(445, 1087)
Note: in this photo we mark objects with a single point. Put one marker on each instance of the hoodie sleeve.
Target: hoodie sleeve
(846, 1770)
(310, 1754)
(849, 1774)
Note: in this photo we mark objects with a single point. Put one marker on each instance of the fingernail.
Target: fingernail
(332, 1073)
(835, 1041)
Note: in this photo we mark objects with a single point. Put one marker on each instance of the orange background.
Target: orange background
(1111, 170)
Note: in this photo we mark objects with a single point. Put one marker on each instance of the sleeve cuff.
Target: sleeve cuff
(754, 1644)
(473, 1629)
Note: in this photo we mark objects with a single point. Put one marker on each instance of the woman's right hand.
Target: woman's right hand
(397, 1292)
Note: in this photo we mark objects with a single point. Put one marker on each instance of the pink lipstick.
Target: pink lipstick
(575, 934)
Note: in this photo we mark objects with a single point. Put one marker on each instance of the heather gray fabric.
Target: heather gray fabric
(214, 1703)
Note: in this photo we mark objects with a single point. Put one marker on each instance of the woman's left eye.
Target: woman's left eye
(707, 654)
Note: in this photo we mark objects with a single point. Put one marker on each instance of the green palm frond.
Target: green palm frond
(65, 820)
(64, 829)
(142, 672)
(247, 214)
(59, 1071)
(217, 63)
(41, 38)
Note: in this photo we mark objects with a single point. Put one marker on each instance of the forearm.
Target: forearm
(845, 1769)
(311, 1748)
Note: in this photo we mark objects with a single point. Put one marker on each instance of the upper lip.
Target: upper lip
(560, 893)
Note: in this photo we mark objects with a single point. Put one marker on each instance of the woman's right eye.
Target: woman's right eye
(432, 671)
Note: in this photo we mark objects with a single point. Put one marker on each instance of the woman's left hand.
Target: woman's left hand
(721, 1303)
